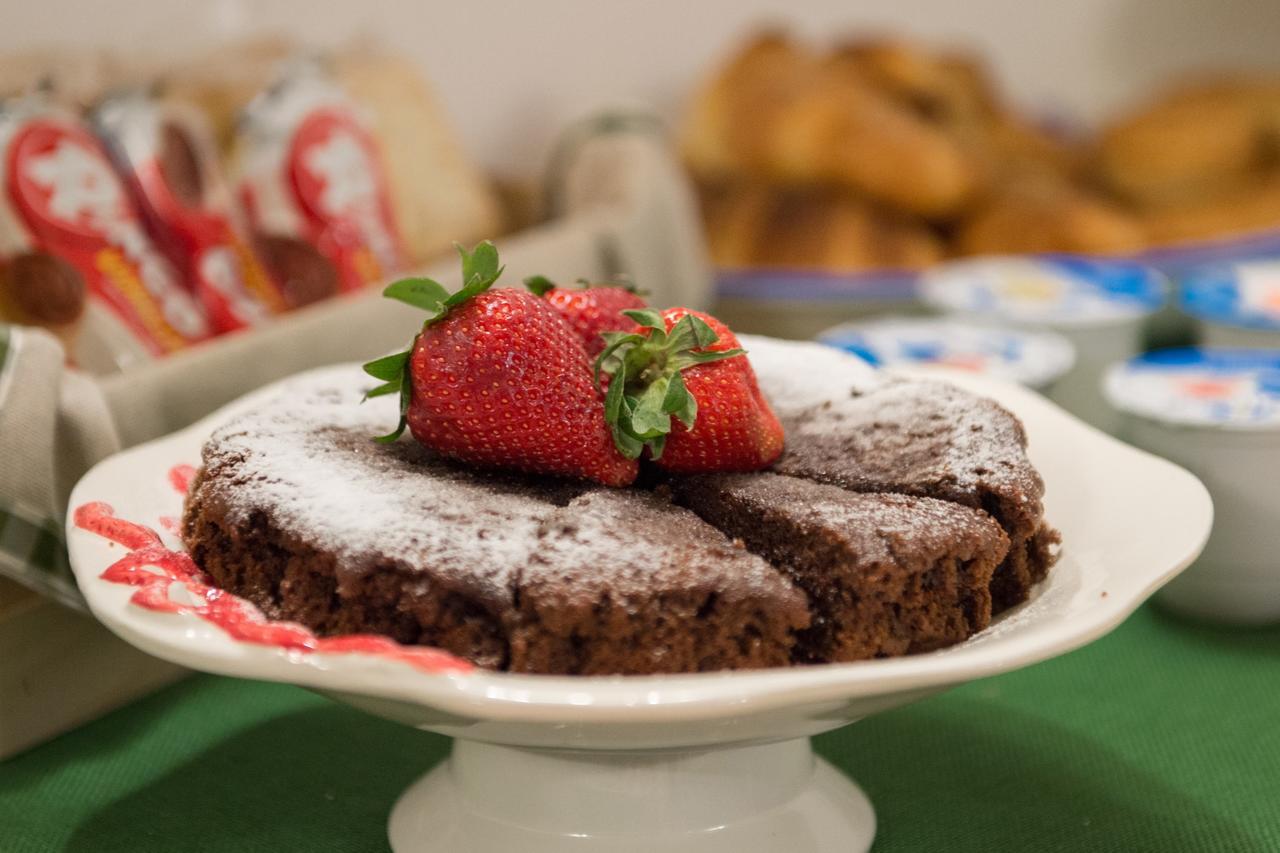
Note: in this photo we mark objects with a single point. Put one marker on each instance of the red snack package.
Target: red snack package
(167, 158)
(63, 198)
(310, 169)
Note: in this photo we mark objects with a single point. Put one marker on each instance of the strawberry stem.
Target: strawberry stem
(645, 386)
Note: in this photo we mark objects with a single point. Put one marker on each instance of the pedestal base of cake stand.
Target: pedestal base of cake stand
(746, 799)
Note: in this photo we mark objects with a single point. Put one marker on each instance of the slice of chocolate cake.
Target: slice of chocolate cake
(849, 426)
(886, 574)
(622, 581)
(297, 510)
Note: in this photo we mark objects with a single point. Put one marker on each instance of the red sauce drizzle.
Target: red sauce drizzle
(154, 570)
(171, 524)
(100, 518)
(180, 477)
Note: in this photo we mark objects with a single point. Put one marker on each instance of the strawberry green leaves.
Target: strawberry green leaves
(424, 293)
(480, 270)
(393, 371)
(539, 285)
(646, 389)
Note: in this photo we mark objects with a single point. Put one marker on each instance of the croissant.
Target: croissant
(1251, 206)
(1193, 141)
(946, 88)
(952, 92)
(777, 112)
(753, 225)
(1036, 217)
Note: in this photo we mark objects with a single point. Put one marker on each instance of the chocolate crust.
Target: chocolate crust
(625, 582)
(290, 579)
(886, 574)
(933, 440)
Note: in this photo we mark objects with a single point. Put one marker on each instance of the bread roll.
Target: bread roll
(778, 112)
(1194, 141)
(1039, 217)
(754, 225)
(1248, 206)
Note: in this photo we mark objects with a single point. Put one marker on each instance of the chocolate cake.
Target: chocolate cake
(872, 433)
(899, 511)
(886, 574)
(622, 581)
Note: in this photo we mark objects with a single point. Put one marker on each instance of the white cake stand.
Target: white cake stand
(717, 762)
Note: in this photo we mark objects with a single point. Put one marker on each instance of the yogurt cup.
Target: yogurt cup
(1100, 306)
(1236, 305)
(1036, 359)
(1216, 412)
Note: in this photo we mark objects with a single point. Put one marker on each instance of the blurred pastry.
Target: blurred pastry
(1039, 217)
(721, 139)
(777, 111)
(759, 226)
(1245, 208)
(946, 88)
(953, 92)
(223, 80)
(1194, 141)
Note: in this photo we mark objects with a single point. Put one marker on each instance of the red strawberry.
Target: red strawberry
(591, 310)
(498, 379)
(688, 365)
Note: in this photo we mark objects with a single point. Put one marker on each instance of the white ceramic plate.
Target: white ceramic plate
(1129, 521)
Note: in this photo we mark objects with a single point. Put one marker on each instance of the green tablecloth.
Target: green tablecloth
(1161, 737)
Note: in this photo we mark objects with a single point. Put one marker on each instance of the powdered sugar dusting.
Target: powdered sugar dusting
(307, 459)
(637, 543)
(796, 375)
(877, 523)
(843, 415)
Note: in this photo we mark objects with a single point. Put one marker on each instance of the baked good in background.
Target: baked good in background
(1033, 215)
(781, 113)
(74, 77)
(887, 130)
(756, 225)
(1199, 160)
(1240, 209)
(1193, 140)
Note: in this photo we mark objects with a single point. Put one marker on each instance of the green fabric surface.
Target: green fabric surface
(1164, 736)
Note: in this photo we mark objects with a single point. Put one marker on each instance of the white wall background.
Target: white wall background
(510, 72)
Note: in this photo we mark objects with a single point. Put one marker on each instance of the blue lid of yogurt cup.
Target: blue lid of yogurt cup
(1245, 294)
(1200, 386)
(1033, 358)
(1054, 290)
